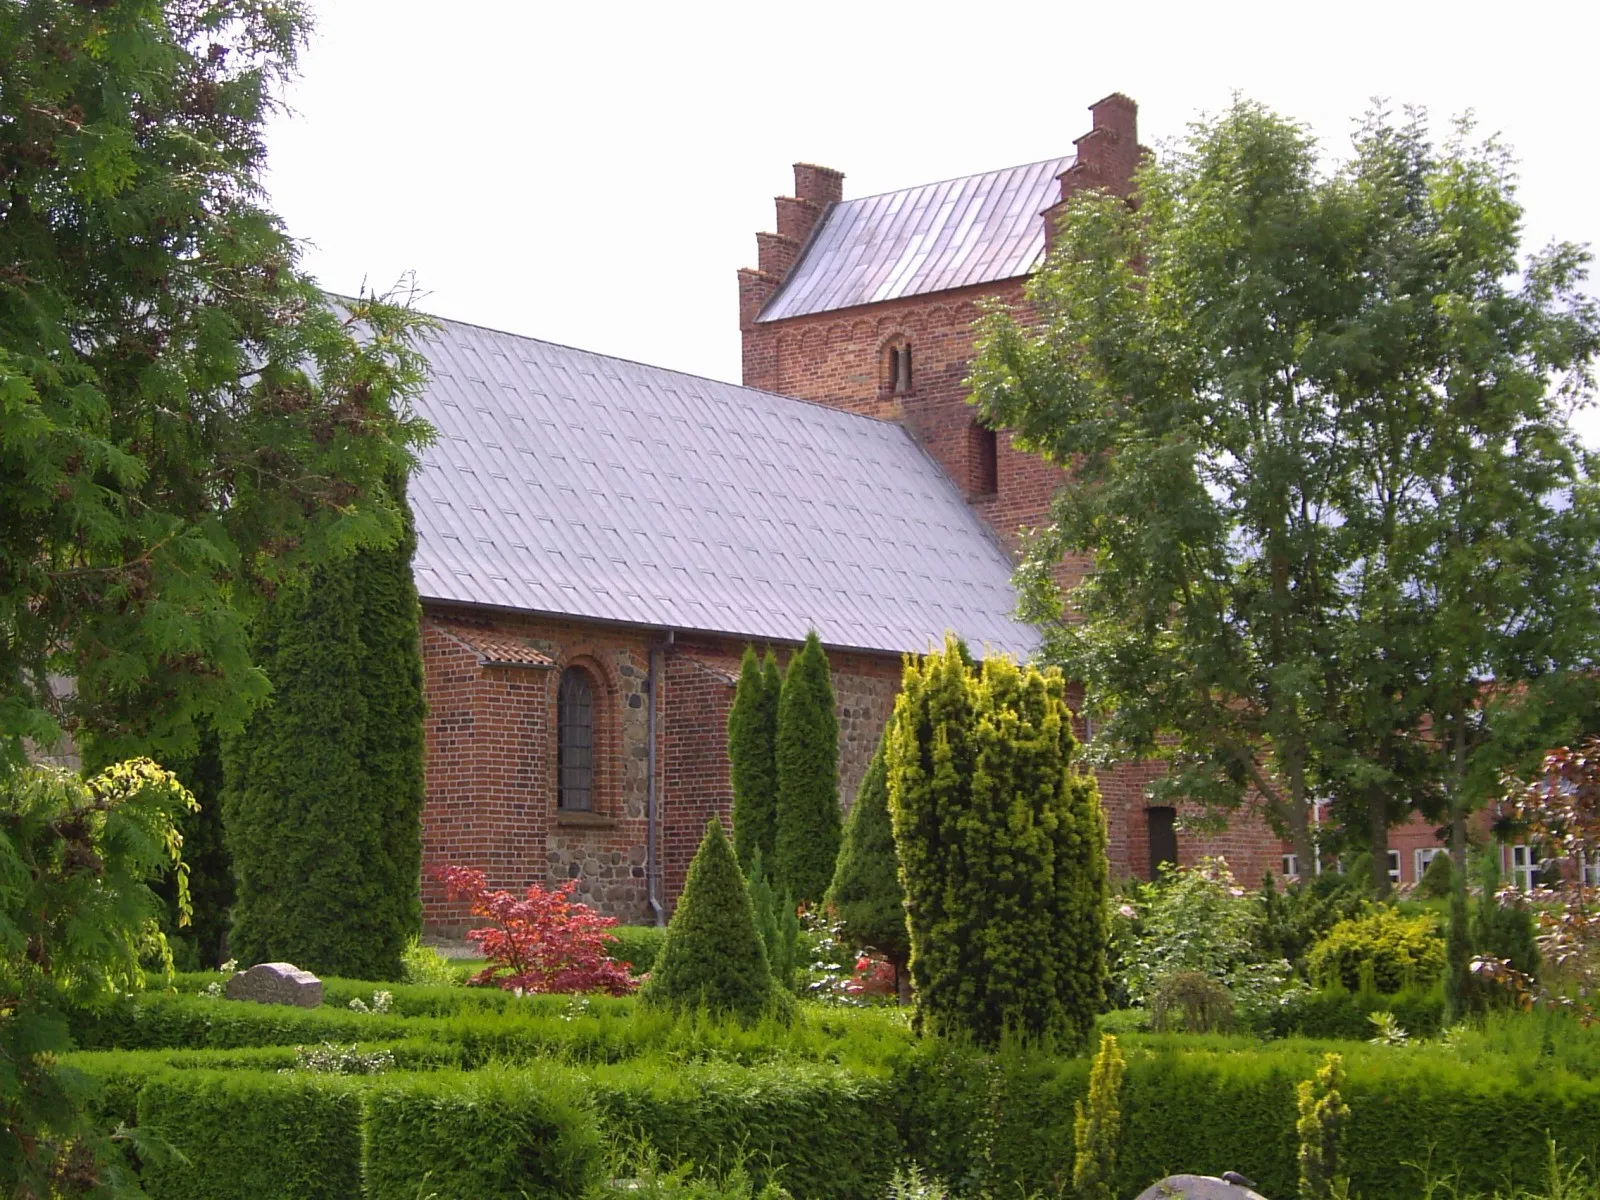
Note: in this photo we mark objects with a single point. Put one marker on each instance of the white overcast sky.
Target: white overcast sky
(594, 173)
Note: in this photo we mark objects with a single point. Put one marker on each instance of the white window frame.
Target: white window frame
(1394, 866)
(1290, 865)
(1524, 873)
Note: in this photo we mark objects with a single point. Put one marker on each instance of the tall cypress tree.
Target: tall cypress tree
(393, 749)
(324, 786)
(752, 736)
(807, 843)
(865, 893)
(1002, 850)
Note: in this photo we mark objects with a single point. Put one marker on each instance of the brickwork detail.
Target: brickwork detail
(491, 740)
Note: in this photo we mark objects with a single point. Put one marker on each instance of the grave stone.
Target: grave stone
(276, 983)
(1197, 1187)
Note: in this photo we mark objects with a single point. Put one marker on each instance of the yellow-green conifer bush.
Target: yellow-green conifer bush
(1097, 1129)
(1001, 843)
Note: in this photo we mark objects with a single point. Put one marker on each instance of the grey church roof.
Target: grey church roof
(570, 483)
(922, 239)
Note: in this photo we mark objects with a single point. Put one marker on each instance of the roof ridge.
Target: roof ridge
(634, 362)
(954, 179)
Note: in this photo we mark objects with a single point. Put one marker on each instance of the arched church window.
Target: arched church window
(575, 741)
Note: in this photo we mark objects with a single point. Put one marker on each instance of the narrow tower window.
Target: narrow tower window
(897, 367)
(575, 741)
(984, 449)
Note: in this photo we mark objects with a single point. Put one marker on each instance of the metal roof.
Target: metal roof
(571, 483)
(923, 239)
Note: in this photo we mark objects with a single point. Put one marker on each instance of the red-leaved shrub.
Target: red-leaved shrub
(546, 942)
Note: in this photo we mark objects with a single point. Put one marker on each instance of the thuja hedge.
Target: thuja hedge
(829, 1102)
(245, 1133)
(825, 1133)
(822, 1132)
(489, 1134)
(594, 1030)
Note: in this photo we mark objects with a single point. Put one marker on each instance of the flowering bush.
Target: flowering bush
(330, 1058)
(545, 942)
(875, 976)
(1198, 919)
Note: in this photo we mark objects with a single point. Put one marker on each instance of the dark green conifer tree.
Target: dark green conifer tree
(778, 924)
(807, 843)
(1002, 855)
(752, 744)
(324, 786)
(199, 946)
(865, 893)
(713, 956)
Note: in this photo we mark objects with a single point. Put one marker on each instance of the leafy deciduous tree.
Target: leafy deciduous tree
(1322, 463)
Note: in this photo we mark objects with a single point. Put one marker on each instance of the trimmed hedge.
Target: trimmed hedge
(826, 1105)
(246, 1133)
(1002, 1123)
(1337, 1013)
(488, 1134)
(822, 1133)
(637, 945)
(156, 1022)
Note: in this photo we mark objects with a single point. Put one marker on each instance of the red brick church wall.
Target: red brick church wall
(491, 753)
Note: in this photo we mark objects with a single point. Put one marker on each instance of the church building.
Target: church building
(599, 539)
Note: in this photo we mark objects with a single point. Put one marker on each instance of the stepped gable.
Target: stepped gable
(928, 238)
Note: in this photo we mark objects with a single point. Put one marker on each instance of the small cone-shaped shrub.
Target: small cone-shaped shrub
(778, 924)
(808, 777)
(1002, 850)
(712, 956)
(865, 894)
(1097, 1129)
(752, 767)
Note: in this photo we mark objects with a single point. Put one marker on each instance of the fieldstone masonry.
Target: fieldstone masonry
(276, 983)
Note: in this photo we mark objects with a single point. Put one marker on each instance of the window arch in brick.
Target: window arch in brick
(575, 741)
(896, 358)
